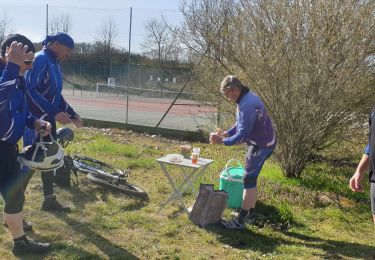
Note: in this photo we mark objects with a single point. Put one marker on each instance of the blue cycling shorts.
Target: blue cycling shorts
(255, 158)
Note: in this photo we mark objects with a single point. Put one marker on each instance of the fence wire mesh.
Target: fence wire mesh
(141, 87)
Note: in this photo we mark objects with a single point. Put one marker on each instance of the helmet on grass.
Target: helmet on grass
(42, 155)
(64, 135)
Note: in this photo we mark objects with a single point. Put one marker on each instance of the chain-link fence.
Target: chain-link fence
(104, 81)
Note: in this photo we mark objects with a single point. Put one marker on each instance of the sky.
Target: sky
(28, 17)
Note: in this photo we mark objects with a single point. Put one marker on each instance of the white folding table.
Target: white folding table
(190, 173)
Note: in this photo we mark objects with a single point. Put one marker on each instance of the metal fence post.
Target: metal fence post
(46, 20)
(127, 91)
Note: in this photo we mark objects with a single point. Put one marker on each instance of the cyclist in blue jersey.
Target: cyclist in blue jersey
(17, 53)
(367, 163)
(44, 86)
(254, 128)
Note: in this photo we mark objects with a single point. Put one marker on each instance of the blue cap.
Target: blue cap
(60, 37)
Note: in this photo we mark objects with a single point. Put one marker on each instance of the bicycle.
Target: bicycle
(96, 171)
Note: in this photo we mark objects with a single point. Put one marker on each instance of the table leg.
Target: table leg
(188, 181)
(195, 174)
(176, 191)
(193, 190)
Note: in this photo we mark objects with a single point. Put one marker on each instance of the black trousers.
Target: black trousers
(11, 179)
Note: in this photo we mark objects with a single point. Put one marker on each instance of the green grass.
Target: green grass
(294, 223)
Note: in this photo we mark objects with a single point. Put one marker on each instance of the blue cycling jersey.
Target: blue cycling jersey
(367, 150)
(253, 124)
(44, 85)
(14, 114)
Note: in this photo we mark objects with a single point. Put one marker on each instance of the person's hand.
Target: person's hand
(63, 118)
(215, 138)
(43, 127)
(77, 121)
(219, 131)
(356, 181)
(16, 53)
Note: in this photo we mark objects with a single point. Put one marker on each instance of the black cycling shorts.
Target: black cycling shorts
(11, 187)
(372, 197)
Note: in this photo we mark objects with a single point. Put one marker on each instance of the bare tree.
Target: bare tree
(107, 34)
(60, 23)
(310, 61)
(161, 42)
(4, 26)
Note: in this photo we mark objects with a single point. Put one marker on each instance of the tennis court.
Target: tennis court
(142, 110)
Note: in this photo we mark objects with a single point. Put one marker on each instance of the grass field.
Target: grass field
(315, 217)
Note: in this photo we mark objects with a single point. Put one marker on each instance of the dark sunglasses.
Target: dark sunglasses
(28, 62)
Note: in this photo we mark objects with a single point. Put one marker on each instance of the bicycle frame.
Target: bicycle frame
(87, 168)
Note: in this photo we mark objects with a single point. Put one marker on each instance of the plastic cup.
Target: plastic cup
(195, 155)
(194, 158)
(196, 150)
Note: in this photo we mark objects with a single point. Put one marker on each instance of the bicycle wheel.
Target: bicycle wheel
(120, 185)
(106, 176)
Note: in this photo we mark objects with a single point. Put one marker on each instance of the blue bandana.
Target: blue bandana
(60, 37)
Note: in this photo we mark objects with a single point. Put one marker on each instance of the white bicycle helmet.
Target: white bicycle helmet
(42, 155)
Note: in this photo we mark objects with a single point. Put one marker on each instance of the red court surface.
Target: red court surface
(185, 114)
(144, 105)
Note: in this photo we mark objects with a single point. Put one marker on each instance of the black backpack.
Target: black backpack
(64, 176)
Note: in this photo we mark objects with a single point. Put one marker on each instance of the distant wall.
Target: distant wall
(170, 133)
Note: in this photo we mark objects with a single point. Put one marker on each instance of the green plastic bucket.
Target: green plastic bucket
(231, 182)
